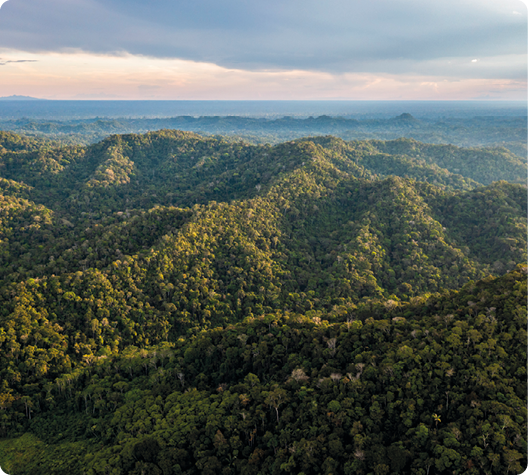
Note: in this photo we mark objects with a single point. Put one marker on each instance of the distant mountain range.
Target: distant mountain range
(20, 98)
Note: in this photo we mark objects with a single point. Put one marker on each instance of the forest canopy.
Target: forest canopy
(172, 303)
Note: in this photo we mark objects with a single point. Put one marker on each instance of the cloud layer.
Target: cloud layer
(89, 76)
(336, 36)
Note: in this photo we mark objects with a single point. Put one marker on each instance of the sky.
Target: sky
(277, 49)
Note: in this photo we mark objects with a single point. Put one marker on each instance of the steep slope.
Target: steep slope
(379, 163)
(480, 164)
(496, 233)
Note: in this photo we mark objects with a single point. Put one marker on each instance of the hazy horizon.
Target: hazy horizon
(114, 109)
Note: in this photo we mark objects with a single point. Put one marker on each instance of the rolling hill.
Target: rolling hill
(161, 269)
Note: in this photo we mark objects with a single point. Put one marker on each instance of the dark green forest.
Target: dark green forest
(178, 304)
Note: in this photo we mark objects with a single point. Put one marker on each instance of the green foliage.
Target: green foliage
(291, 393)
(177, 304)
(482, 165)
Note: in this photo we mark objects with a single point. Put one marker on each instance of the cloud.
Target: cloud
(88, 76)
(3, 62)
(334, 36)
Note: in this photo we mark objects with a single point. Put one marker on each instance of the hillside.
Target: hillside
(436, 385)
(146, 245)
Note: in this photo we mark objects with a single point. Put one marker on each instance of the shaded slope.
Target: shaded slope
(494, 235)
(382, 164)
(480, 164)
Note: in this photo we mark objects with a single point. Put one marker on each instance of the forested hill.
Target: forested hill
(152, 239)
(434, 386)
(508, 131)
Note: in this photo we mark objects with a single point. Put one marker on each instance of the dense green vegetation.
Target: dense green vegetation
(171, 303)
